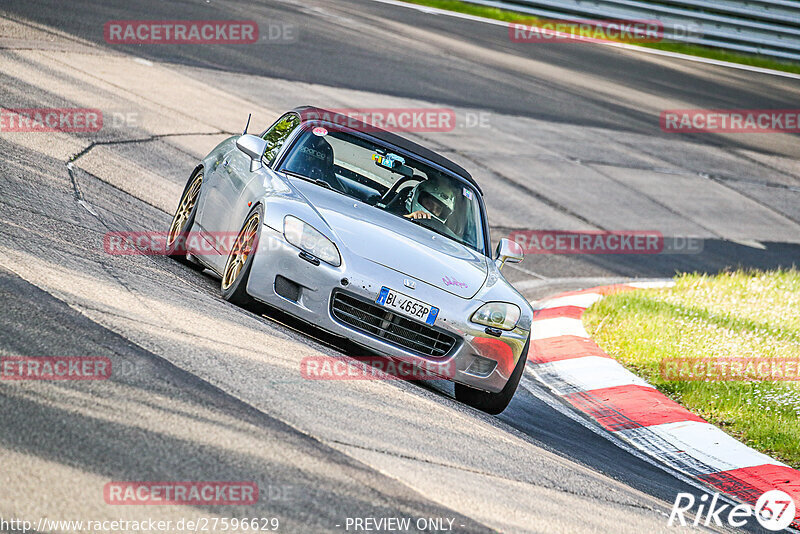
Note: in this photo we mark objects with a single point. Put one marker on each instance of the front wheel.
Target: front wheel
(183, 220)
(494, 403)
(240, 260)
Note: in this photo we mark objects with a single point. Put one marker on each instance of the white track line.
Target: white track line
(557, 327)
(540, 390)
(592, 372)
(658, 284)
(624, 46)
(581, 301)
(703, 442)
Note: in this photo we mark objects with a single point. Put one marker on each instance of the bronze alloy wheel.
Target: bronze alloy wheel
(242, 248)
(185, 208)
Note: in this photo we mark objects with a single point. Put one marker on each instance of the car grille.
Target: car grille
(370, 318)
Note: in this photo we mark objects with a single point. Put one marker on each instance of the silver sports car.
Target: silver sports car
(369, 237)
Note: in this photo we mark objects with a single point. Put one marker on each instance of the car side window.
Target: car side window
(277, 134)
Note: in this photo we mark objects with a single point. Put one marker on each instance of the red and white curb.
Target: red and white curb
(574, 367)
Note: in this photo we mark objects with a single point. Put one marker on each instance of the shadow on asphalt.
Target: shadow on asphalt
(152, 421)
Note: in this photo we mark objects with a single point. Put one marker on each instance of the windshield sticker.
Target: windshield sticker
(319, 131)
(467, 193)
(390, 161)
(314, 153)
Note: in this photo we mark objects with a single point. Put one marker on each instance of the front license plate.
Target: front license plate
(408, 306)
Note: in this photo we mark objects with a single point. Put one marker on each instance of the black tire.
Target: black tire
(494, 403)
(234, 285)
(183, 220)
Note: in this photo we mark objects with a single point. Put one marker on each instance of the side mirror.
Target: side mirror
(254, 147)
(507, 251)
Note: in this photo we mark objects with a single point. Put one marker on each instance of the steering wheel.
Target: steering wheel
(390, 194)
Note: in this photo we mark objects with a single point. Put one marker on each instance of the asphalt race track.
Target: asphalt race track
(560, 136)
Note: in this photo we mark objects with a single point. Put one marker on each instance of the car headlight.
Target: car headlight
(307, 238)
(502, 315)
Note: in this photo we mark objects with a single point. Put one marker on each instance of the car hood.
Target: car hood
(398, 244)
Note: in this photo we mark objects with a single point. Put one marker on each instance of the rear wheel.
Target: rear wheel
(240, 260)
(183, 220)
(494, 403)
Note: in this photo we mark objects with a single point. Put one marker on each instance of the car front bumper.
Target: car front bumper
(477, 359)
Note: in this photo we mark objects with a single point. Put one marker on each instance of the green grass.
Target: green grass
(690, 49)
(474, 9)
(730, 315)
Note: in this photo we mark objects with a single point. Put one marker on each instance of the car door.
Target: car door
(230, 178)
(222, 185)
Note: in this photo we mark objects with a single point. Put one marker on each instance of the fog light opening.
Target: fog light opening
(481, 366)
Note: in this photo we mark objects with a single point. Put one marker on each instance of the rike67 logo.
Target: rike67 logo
(775, 510)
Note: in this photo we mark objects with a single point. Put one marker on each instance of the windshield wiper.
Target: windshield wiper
(318, 181)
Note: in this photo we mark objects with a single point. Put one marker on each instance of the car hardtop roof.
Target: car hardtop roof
(312, 113)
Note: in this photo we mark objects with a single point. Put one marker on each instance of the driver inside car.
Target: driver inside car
(431, 199)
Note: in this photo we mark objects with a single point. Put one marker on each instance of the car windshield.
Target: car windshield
(371, 173)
